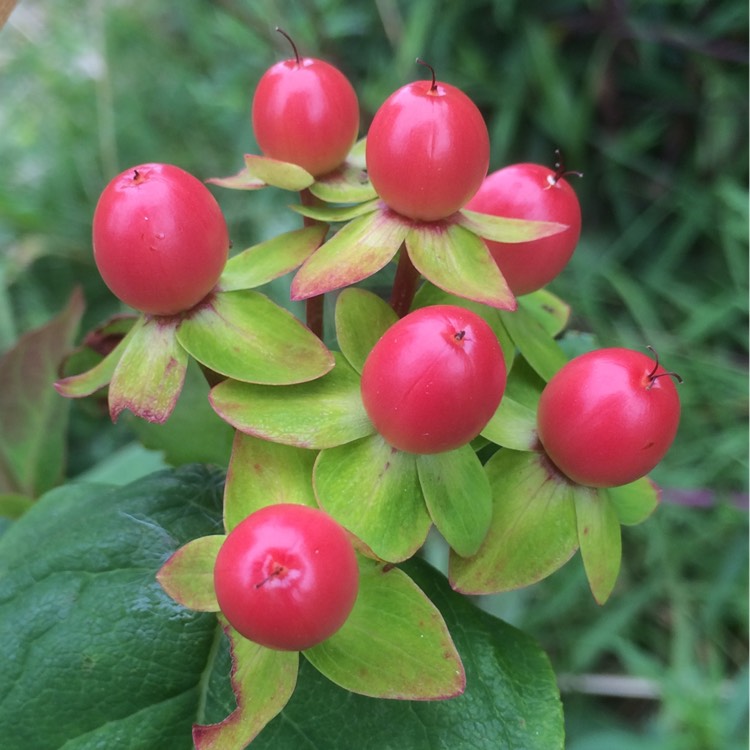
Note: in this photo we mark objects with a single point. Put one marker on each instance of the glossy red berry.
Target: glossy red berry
(160, 239)
(531, 191)
(286, 577)
(608, 417)
(306, 112)
(427, 150)
(434, 379)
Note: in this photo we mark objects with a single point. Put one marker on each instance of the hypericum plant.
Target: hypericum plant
(449, 405)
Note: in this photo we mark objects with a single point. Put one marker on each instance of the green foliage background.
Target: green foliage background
(648, 99)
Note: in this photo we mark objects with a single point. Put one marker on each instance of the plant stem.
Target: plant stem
(405, 284)
(314, 307)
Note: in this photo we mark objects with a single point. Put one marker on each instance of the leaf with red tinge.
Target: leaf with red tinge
(32, 415)
(394, 644)
(149, 376)
(188, 575)
(358, 250)
(533, 529)
(599, 539)
(458, 261)
(263, 680)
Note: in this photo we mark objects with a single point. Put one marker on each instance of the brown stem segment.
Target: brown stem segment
(314, 307)
(405, 284)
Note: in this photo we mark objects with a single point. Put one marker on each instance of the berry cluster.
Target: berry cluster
(398, 417)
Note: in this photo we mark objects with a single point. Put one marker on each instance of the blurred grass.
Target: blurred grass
(649, 100)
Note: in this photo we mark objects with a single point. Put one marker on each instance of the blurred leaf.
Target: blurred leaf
(373, 490)
(547, 309)
(319, 414)
(394, 644)
(636, 501)
(33, 416)
(245, 336)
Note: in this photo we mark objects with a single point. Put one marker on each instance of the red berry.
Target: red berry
(434, 379)
(160, 239)
(427, 150)
(306, 112)
(608, 417)
(531, 191)
(286, 577)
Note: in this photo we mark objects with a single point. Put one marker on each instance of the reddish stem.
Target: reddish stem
(315, 305)
(405, 284)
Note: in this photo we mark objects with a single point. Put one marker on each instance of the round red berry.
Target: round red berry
(286, 577)
(534, 192)
(427, 150)
(306, 112)
(434, 379)
(160, 239)
(608, 417)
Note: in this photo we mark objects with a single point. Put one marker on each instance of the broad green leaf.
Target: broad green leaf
(533, 530)
(95, 653)
(541, 351)
(188, 575)
(359, 249)
(513, 426)
(149, 376)
(599, 539)
(373, 490)
(268, 260)
(502, 229)
(395, 643)
(458, 497)
(511, 701)
(193, 432)
(263, 473)
(245, 336)
(456, 260)
(319, 414)
(33, 417)
(524, 385)
(280, 174)
(636, 501)
(263, 680)
(332, 214)
(547, 309)
(361, 319)
(347, 184)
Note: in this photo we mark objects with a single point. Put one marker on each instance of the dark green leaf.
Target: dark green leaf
(95, 654)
